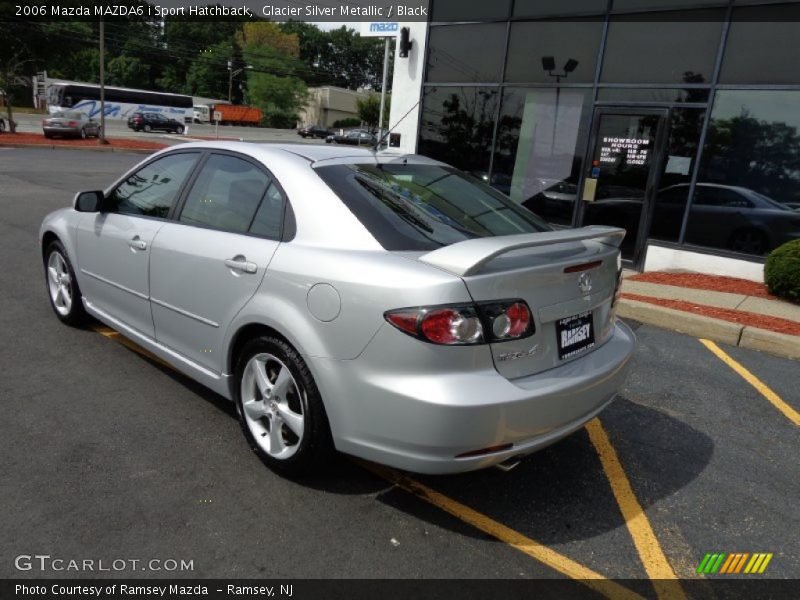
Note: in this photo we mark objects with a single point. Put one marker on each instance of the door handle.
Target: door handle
(137, 243)
(240, 263)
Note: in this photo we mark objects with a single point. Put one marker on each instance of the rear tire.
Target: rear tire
(83, 133)
(148, 128)
(280, 408)
(179, 130)
(62, 286)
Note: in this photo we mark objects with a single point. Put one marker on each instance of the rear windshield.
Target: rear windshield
(423, 207)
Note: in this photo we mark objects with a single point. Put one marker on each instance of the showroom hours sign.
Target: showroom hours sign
(632, 151)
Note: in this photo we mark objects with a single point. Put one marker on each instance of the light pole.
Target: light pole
(549, 65)
(102, 137)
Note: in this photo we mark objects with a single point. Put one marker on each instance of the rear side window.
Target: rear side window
(226, 194)
(269, 217)
(152, 190)
(423, 207)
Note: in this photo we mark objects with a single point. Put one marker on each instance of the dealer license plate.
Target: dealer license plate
(575, 335)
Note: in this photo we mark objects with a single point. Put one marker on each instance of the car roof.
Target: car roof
(311, 153)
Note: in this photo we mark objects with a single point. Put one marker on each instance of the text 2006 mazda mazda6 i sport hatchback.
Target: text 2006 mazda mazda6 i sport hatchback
(386, 306)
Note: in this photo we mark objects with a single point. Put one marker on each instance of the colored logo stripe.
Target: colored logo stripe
(734, 563)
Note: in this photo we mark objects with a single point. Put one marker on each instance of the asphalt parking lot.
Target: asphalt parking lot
(109, 455)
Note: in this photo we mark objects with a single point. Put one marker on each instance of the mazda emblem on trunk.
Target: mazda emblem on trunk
(585, 283)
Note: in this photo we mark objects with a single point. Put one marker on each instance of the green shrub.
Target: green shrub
(782, 271)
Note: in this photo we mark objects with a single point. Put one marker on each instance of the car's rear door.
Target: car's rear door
(210, 261)
(114, 245)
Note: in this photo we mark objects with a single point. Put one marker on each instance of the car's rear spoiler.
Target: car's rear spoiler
(467, 257)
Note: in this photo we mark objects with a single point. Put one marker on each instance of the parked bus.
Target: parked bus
(120, 103)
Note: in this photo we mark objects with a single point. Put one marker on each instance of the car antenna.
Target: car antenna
(416, 104)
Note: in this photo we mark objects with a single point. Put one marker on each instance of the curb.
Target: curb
(773, 342)
(751, 338)
(89, 148)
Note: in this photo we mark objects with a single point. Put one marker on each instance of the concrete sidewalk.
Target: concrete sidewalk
(753, 322)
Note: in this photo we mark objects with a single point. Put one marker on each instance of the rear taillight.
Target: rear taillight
(73, 123)
(465, 324)
(508, 320)
(452, 326)
(618, 288)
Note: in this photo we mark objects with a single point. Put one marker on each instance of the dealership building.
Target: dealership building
(678, 120)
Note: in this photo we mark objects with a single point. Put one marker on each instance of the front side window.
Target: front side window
(226, 194)
(423, 207)
(152, 190)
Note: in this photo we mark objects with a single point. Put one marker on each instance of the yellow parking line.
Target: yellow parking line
(112, 334)
(762, 388)
(540, 552)
(652, 556)
(534, 549)
(106, 331)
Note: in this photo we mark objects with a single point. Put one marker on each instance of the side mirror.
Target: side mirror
(89, 201)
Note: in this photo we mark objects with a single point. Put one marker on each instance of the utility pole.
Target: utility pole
(230, 79)
(102, 138)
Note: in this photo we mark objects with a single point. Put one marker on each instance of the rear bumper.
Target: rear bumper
(61, 130)
(420, 422)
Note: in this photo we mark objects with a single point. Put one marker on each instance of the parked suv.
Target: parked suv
(145, 121)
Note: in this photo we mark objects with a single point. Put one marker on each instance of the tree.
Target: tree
(208, 74)
(271, 59)
(340, 57)
(369, 109)
(127, 71)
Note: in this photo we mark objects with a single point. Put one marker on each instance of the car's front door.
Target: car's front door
(208, 263)
(114, 245)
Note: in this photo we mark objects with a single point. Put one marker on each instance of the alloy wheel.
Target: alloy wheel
(272, 406)
(59, 283)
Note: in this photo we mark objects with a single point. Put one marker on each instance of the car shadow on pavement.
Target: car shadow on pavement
(561, 493)
(341, 475)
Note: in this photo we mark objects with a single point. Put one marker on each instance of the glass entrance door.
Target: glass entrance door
(622, 174)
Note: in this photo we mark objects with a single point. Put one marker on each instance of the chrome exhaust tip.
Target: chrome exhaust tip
(509, 464)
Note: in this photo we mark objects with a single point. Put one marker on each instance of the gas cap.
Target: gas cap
(324, 302)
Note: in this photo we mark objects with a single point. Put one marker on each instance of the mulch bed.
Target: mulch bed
(37, 139)
(715, 283)
(735, 316)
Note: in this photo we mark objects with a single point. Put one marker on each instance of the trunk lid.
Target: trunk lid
(568, 279)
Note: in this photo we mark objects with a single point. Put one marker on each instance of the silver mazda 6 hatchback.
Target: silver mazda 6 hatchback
(386, 306)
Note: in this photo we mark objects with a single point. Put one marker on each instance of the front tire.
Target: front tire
(62, 286)
(280, 408)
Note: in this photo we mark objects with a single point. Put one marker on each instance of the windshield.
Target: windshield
(423, 207)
